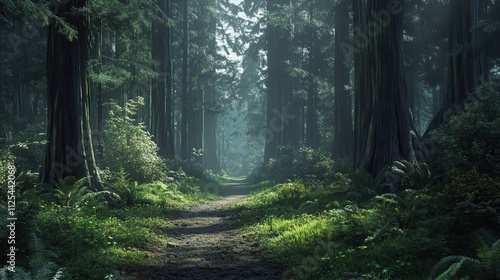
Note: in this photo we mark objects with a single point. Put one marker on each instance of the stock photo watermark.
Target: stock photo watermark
(11, 217)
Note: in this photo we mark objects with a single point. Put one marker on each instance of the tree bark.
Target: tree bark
(184, 96)
(466, 67)
(69, 151)
(279, 102)
(312, 95)
(343, 131)
(384, 127)
(211, 157)
(161, 96)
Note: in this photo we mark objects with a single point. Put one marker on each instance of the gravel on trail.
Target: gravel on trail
(206, 244)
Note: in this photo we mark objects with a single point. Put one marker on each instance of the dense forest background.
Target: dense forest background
(385, 110)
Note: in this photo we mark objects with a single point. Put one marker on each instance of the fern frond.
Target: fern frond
(59, 274)
(38, 256)
(81, 182)
(21, 274)
(4, 230)
(451, 272)
(47, 272)
(96, 196)
(457, 267)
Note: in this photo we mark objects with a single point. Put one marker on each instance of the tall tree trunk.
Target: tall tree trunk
(170, 92)
(198, 89)
(466, 68)
(279, 101)
(211, 157)
(312, 119)
(161, 97)
(22, 106)
(69, 150)
(343, 131)
(97, 88)
(361, 78)
(383, 112)
(184, 96)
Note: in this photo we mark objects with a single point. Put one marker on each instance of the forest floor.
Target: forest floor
(206, 244)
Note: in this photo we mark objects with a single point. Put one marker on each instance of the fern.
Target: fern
(4, 230)
(451, 272)
(457, 267)
(69, 190)
(413, 175)
(39, 256)
(490, 258)
(40, 264)
(100, 198)
(123, 188)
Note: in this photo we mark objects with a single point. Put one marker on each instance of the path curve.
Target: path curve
(207, 245)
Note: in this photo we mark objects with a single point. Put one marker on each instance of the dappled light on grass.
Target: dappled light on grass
(322, 234)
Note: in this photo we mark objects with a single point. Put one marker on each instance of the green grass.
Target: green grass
(320, 234)
(95, 239)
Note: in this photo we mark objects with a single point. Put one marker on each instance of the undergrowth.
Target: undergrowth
(443, 223)
(96, 235)
(336, 231)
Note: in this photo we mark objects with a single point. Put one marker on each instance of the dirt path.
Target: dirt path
(207, 245)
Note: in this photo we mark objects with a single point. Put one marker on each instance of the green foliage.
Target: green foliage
(181, 169)
(467, 203)
(471, 139)
(92, 236)
(412, 175)
(457, 267)
(41, 264)
(339, 232)
(28, 146)
(469, 186)
(304, 163)
(122, 185)
(71, 192)
(129, 146)
(93, 241)
(489, 256)
(6, 159)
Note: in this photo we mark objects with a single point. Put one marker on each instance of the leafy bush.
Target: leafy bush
(471, 139)
(469, 186)
(28, 147)
(129, 146)
(304, 163)
(185, 168)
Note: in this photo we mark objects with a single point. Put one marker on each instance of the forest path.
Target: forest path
(207, 245)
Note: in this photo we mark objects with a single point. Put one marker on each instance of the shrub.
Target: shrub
(129, 146)
(28, 147)
(6, 159)
(471, 139)
(304, 163)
